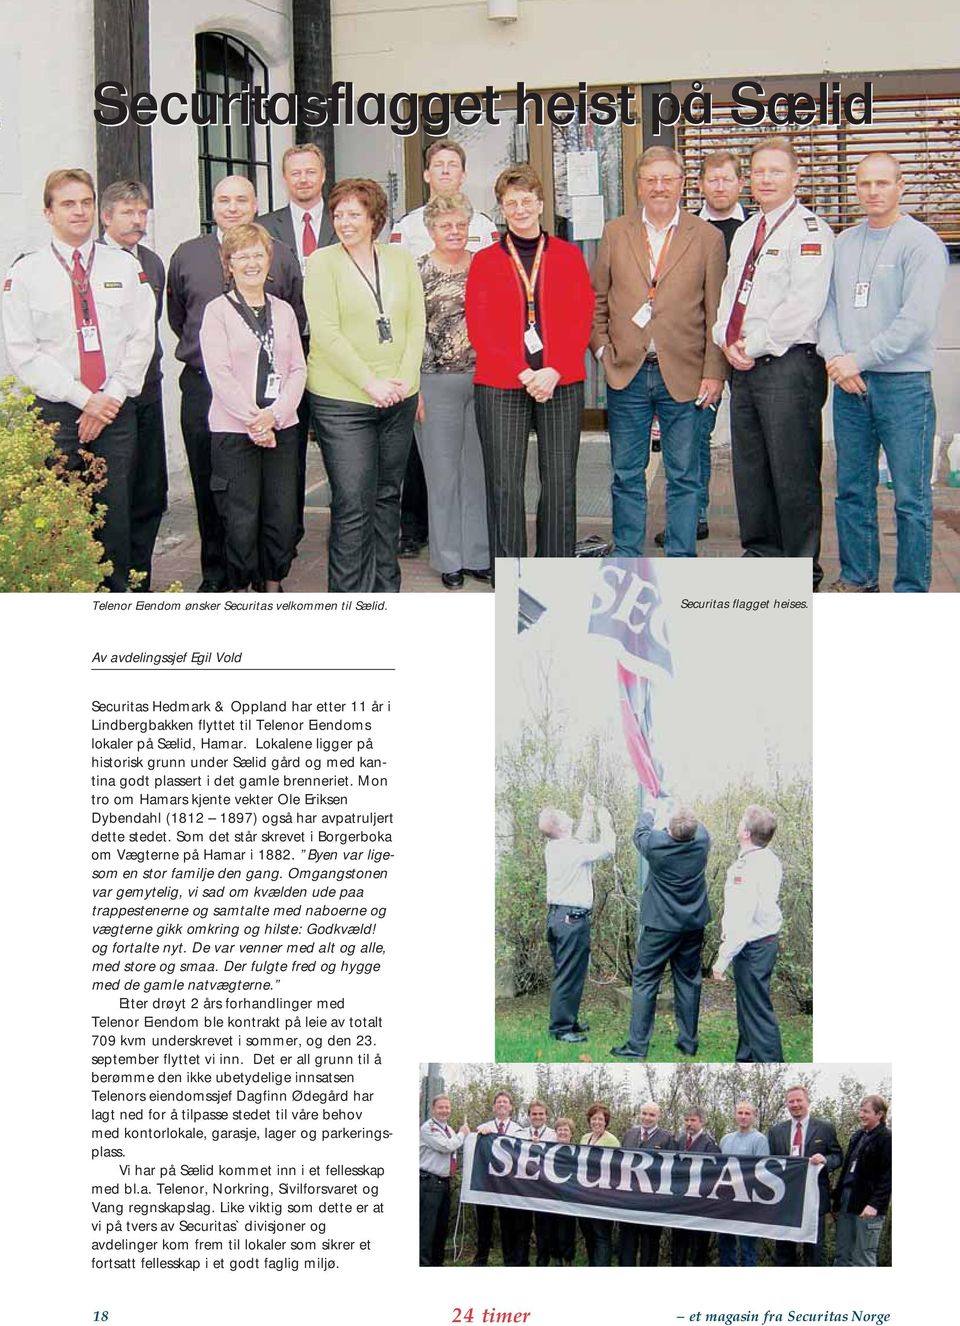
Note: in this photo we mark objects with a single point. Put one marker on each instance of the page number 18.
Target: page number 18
(102, 1315)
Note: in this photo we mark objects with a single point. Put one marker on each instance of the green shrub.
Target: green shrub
(48, 517)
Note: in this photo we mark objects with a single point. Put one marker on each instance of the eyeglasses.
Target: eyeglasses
(660, 179)
(520, 204)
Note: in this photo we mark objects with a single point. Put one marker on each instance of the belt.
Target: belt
(565, 907)
(652, 358)
(437, 1178)
(801, 345)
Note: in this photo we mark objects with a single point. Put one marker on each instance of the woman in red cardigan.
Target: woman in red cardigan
(529, 313)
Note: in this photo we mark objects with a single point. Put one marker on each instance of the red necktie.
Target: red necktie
(644, 1136)
(309, 238)
(689, 1140)
(798, 1138)
(93, 369)
(453, 1157)
(735, 325)
(500, 1127)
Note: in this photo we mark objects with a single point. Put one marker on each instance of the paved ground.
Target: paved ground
(178, 555)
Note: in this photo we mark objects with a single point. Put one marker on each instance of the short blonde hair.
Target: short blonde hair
(241, 237)
(442, 204)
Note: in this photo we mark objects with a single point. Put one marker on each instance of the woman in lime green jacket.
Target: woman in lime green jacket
(365, 308)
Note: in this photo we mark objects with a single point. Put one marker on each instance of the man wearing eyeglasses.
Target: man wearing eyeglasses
(772, 299)
(657, 279)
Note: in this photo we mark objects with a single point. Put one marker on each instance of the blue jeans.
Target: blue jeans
(706, 423)
(727, 1249)
(898, 414)
(630, 412)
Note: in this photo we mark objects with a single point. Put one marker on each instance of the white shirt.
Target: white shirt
(40, 329)
(546, 1134)
(570, 868)
(707, 213)
(804, 1125)
(438, 1142)
(415, 237)
(297, 213)
(510, 1129)
(790, 284)
(750, 901)
(656, 239)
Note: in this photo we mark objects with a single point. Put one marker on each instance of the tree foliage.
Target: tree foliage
(48, 517)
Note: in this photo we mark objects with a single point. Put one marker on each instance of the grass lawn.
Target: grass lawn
(521, 1034)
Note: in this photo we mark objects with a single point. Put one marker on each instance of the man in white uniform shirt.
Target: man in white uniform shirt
(445, 169)
(439, 1145)
(751, 923)
(569, 857)
(78, 321)
(771, 302)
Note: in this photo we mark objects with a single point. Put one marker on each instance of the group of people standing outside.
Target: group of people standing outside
(673, 914)
(858, 1201)
(471, 339)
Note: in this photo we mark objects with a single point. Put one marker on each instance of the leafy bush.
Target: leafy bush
(48, 517)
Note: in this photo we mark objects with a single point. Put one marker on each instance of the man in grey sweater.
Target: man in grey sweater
(741, 1249)
(876, 335)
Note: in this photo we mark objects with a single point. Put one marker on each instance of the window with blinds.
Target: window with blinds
(921, 128)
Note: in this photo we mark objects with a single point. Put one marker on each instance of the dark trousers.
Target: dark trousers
(564, 1245)
(303, 432)
(148, 492)
(364, 451)
(807, 1254)
(509, 1237)
(523, 1231)
(648, 1238)
(683, 950)
(568, 936)
(758, 1040)
(689, 1247)
(414, 521)
(737, 1250)
(255, 489)
(776, 424)
(434, 1218)
(117, 446)
(598, 1237)
(544, 1227)
(195, 397)
(504, 420)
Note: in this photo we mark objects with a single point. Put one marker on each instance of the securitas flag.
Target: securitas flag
(635, 717)
(627, 607)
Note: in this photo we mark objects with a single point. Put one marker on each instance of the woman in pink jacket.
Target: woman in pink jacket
(254, 362)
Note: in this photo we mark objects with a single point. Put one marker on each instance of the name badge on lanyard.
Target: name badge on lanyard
(645, 312)
(861, 294)
(90, 337)
(272, 389)
(531, 337)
